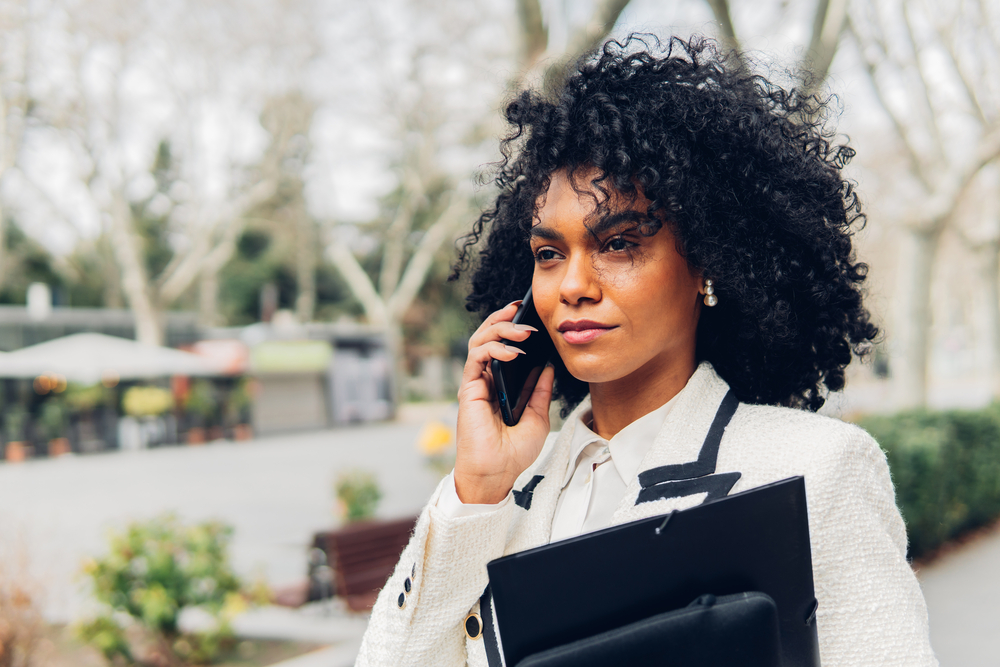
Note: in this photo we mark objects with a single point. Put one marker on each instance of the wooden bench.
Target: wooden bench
(363, 555)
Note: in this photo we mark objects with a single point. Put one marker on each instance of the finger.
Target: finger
(501, 331)
(505, 314)
(480, 357)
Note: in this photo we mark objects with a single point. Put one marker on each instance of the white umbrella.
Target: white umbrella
(90, 357)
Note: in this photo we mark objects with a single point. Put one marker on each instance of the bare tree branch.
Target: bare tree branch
(534, 35)
(720, 10)
(925, 87)
(914, 161)
(828, 25)
(420, 263)
(185, 267)
(359, 282)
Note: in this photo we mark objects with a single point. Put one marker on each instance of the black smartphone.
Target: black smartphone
(515, 380)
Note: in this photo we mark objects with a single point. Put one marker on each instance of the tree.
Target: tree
(829, 20)
(144, 75)
(432, 203)
(935, 73)
(16, 61)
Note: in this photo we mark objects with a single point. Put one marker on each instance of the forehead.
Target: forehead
(576, 200)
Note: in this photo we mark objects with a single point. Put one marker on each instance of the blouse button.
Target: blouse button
(473, 626)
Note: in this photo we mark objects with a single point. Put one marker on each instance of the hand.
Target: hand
(491, 454)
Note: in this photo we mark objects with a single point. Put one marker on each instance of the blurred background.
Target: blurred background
(229, 350)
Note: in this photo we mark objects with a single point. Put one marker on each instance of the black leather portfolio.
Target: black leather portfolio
(666, 590)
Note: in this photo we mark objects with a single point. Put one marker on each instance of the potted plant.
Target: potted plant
(358, 495)
(201, 405)
(83, 402)
(52, 423)
(142, 403)
(15, 419)
(238, 410)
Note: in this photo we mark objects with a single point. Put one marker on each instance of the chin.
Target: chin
(594, 371)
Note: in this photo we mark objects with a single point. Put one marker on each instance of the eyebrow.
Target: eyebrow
(607, 223)
(547, 233)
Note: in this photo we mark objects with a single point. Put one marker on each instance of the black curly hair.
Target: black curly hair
(742, 171)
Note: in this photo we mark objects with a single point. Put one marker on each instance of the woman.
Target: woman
(686, 233)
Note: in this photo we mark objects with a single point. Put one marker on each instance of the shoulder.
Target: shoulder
(789, 427)
(769, 442)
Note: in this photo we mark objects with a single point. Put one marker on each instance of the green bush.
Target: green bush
(151, 572)
(358, 495)
(946, 468)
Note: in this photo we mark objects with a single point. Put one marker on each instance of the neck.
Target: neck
(617, 404)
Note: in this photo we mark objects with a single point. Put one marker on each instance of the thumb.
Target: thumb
(541, 397)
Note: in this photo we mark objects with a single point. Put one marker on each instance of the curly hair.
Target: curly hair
(742, 171)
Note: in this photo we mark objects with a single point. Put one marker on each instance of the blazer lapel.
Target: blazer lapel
(674, 457)
(551, 467)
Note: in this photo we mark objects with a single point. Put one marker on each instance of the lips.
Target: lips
(583, 331)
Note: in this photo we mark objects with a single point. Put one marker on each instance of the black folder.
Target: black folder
(754, 541)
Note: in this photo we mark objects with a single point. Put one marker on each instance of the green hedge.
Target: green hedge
(946, 468)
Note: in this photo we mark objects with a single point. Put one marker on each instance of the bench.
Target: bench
(362, 557)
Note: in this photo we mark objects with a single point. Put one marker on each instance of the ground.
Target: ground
(277, 491)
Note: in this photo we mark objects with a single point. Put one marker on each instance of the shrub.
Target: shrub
(147, 401)
(152, 571)
(358, 494)
(946, 468)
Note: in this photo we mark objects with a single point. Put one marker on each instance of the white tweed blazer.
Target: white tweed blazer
(871, 611)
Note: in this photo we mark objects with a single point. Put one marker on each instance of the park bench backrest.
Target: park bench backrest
(363, 556)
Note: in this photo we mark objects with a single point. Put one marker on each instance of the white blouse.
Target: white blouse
(595, 480)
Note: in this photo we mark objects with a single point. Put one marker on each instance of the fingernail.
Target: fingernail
(524, 327)
(514, 303)
(514, 349)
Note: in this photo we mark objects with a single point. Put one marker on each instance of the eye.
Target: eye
(618, 244)
(546, 255)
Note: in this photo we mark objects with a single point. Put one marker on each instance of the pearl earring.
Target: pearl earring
(710, 298)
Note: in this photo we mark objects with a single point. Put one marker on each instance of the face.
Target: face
(619, 306)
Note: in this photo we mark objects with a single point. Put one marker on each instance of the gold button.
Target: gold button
(473, 626)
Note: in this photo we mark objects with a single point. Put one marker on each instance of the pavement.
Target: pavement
(275, 491)
(962, 589)
(278, 491)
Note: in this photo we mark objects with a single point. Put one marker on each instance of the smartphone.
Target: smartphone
(515, 380)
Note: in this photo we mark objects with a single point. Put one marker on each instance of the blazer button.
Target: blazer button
(473, 626)
(407, 586)
(401, 600)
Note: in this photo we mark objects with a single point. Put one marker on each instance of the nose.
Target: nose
(579, 283)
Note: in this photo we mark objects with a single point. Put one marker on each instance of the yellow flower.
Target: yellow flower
(234, 605)
(434, 439)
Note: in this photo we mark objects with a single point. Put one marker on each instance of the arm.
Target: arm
(871, 610)
(446, 564)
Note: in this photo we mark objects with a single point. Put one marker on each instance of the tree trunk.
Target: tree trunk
(305, 300)
(3, 246)
(208, 298)
(134, 280)
(918, 249)
(989, 288)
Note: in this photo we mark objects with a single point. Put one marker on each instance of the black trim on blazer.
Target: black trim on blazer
(686, 479)
(493, 658)
(523, 497)
(717, 486)
(705, 465)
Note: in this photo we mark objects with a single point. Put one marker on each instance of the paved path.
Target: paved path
(275, 491)
(962, 590)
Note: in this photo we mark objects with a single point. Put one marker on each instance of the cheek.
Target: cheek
(545, 294)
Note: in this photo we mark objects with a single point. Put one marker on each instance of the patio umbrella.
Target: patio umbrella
(90, 357)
